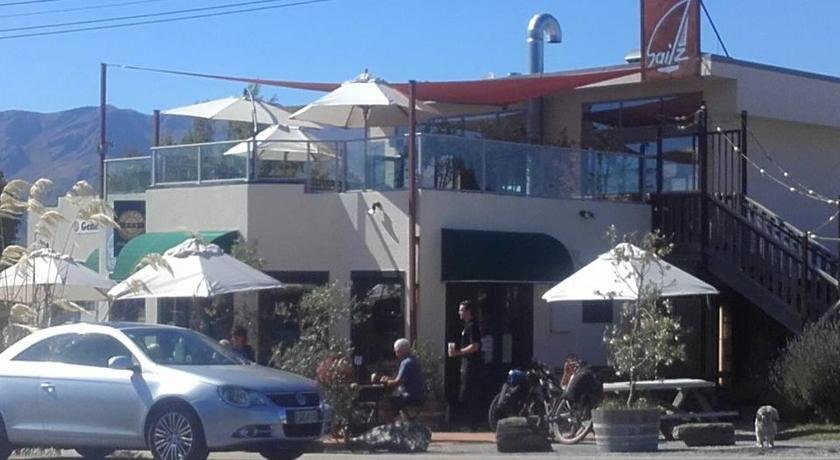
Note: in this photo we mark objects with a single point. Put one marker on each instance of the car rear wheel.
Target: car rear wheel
(94, 453)
(175, 434)
(6, 447)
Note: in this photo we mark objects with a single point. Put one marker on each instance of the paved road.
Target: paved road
(481, 451)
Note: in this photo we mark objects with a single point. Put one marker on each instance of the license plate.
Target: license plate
(304, 416)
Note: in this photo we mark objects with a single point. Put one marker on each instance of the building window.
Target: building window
(133, 310)
(212, 316)
(597, 311)
(661, 129)
(273, 330)
(382, 296)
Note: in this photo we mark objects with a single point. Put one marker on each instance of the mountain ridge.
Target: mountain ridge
(64, 146)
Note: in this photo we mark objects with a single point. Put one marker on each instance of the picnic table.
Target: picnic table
(678, 411)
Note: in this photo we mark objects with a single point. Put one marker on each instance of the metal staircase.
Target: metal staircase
(721, 232)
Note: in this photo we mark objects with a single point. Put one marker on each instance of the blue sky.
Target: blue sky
(395, 39)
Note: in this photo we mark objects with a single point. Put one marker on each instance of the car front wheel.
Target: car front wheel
(175, 434)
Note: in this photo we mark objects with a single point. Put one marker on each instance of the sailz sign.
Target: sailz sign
(670, 38)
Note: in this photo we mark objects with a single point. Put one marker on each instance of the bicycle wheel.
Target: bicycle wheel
(571, 425)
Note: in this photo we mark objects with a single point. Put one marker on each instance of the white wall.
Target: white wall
(556, 332)
(811, 155)
(783, 94)
(333, 232)
(65, 239)
(294, 230)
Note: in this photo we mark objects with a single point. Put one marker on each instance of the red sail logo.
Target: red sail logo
(671, 37)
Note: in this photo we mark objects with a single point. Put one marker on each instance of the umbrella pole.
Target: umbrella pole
(365, 111)
(251, 164)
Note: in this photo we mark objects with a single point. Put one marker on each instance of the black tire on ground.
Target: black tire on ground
(6, 447)
(94, 453)
(493, 412)
(666, 427)
(176, 421)
(518, 434)
(280, 454)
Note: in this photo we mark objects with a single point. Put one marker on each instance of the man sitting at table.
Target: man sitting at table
(410, 387)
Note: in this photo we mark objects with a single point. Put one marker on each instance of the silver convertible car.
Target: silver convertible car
(101, 387)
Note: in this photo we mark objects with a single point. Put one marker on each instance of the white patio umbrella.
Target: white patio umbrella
(238, 109)
(43, 270)
(606, 278)
(289, 143)
(195, 269)
(363, 102)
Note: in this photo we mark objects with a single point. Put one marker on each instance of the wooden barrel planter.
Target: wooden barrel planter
(626, 430)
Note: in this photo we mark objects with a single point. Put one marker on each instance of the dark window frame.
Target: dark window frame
(597, 311)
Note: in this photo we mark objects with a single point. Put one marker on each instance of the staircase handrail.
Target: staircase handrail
(793, 232)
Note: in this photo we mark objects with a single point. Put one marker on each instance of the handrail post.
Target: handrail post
(703, 147)
(837, 256)
(803, 281)
(743, 148)
(154, 166)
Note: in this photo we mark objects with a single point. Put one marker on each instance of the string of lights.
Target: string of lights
(772, 161)
(788, 183)
(830, 219)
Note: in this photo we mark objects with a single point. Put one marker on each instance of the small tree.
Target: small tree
(647, 335)
(320, 353)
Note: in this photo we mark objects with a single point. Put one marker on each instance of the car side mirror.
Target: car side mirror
(123, 362)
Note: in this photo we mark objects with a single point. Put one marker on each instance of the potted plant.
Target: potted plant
(646, 337)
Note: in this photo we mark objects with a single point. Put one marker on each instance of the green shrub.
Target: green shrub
(321, 354)
(432, 364)
(808, 370)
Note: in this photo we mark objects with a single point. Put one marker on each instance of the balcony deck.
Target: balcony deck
(444, 163)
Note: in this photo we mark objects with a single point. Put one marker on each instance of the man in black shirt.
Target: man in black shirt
(469, 351)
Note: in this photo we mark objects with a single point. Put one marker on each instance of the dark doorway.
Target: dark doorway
(505, 320)
(381, 296)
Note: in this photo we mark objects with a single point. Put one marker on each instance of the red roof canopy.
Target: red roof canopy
(498, 91)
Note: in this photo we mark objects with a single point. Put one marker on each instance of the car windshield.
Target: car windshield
(180, 347)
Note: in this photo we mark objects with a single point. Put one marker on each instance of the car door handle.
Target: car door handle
(48, 387)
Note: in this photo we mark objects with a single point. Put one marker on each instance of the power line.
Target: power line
(26, 2)
(78, 8)
(138, 16)
(159, 21)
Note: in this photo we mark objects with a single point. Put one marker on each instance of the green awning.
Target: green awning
(149, 243)
(474, 255)
(92, 261)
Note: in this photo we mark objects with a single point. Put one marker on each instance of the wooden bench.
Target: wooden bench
(676, 412)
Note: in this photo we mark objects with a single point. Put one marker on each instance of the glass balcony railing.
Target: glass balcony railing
(444, 163)
(508, 168)
(208, 162)
(128, 175)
